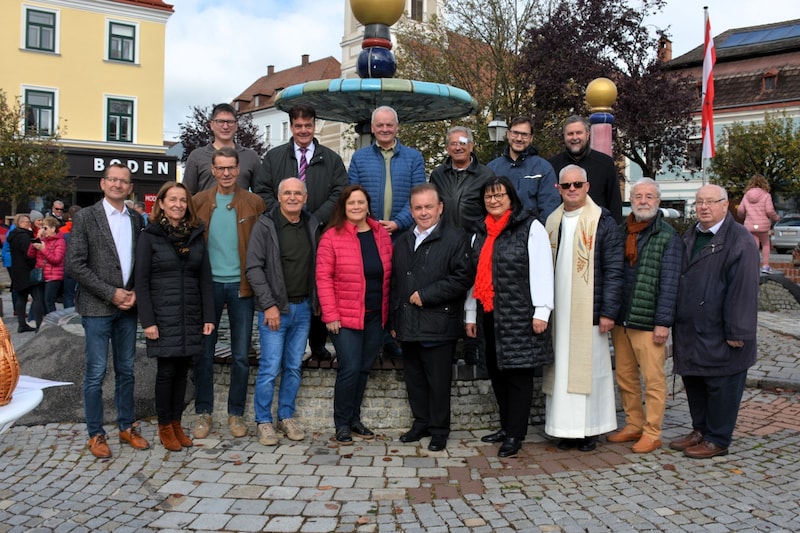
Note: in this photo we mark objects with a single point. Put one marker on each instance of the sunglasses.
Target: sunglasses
(567, 185)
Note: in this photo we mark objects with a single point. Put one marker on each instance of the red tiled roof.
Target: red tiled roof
(155, 4)
(266, 87)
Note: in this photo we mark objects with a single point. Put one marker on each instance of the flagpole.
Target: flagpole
(707, 109)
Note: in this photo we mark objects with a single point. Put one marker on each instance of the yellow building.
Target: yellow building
(93, 70)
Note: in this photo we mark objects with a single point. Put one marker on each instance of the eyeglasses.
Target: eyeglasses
(497, 197)
(709, 203)
(58, 209)
(118, 180)
(567, 184)
(222, 122)
(232, 170)
(456, 144)
(521, 134)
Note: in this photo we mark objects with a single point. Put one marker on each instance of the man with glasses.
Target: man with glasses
(588, 256)
(533, 177)
(197, 175)
(100, 258)
(230, 212)
(715, 323)
(653, 254)
(599, 167)
(57, 212)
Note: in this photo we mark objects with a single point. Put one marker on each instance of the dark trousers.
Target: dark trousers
(36, 292)
(513, 389)
(171, 387)
(714, 405)
(356, 351)
(428, 373)
(317, 333)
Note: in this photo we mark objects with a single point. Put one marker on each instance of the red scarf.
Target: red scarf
(484, 288)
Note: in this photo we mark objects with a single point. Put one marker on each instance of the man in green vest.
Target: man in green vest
(653, 256)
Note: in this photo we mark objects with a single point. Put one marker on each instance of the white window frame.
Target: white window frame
(106, 117)
(25, 89)
(136, 41)
(23, 44)
(284, 131)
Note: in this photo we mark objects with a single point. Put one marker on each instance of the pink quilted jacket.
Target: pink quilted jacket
(52, 257)
(341, 285)
(757, 210)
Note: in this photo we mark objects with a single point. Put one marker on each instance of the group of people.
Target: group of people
(34, 253)
(527, 261)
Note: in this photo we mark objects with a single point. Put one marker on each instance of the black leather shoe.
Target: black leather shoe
(359, 430)
(413, 435)
(497, 436)
(343, 435)
(567, 444)
(25, 329)
(392, 350)
(321, 354)
(510, 447)
(588, 444)
(438, 443)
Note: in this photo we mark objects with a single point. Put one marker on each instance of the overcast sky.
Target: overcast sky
(217, 48)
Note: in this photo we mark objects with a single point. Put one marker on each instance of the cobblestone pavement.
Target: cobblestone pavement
(50, 482)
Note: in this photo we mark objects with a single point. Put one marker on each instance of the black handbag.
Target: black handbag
(36, 275)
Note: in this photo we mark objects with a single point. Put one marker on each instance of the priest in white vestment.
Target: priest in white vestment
(589, 272)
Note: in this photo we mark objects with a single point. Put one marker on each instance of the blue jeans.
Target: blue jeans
(356, 351)
(51, 289)
(240, 318)
(70, 286)
(282, 349)
(120, 330)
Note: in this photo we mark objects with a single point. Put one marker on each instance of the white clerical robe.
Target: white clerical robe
(568, 415)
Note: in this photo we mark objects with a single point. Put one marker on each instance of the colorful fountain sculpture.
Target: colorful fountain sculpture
(354, 99)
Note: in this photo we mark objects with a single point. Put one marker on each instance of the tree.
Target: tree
(474, 46)
(580, 40)
(196, 132)
(771, 148)
(30, 164)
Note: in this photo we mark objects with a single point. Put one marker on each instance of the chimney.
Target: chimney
(664, 49)
(270, 70)
(304, 62)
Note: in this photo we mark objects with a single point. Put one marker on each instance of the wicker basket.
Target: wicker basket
(9, 366)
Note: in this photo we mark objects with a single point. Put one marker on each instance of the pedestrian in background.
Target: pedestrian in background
(758, 212)
(50, 253)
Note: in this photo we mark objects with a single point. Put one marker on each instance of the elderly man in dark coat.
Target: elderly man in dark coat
(715, 325)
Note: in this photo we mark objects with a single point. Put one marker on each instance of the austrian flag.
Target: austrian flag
(709, 58)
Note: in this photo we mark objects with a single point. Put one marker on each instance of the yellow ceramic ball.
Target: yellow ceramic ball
(377, 11)
(601, 94)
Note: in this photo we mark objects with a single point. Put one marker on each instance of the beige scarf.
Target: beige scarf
(579, 380)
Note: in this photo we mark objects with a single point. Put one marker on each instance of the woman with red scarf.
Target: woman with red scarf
(511, 301)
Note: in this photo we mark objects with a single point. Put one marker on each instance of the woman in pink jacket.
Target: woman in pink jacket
(50, 253)
(757, 210)
(354, 260)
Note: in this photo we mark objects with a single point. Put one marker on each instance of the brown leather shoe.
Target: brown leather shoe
(133, 437)
(646, 444)
(704, 450)
(167, 436)
(692, 439)
(99, 447)
(180, 435)
(626, 434)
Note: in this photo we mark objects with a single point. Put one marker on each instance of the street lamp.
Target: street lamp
(497, 132)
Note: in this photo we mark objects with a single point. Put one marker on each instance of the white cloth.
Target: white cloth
(567, 415)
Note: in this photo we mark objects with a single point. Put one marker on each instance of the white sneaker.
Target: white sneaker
(292, 430)
(267, 435)
(202, 427)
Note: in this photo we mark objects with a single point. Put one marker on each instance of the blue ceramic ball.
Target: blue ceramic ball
(376, 63)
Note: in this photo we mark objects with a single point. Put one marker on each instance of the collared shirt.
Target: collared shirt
(713, 229)
(296, 256)
(421, 236)
(299, 154)
(388, 153)
(122, 233)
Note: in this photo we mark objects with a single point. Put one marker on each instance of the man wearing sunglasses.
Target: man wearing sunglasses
(533, 177)
(589, 273)
(599, 167)
(197, 175)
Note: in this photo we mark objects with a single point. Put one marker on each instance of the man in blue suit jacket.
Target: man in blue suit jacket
(100, 258)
